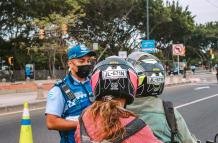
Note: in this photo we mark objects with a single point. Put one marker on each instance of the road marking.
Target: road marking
(196, 101)
(203, 87)
(10, 113)
(178, 85)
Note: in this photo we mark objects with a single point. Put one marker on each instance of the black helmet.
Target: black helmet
(114, 77)
(150, 72)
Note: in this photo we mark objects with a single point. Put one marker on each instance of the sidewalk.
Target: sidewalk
(25, 86)
(12, 96)
(14, 102)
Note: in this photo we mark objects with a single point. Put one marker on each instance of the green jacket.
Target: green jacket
(150, 109)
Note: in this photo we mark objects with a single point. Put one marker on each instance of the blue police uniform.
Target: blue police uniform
(69, 97)
(59, 104)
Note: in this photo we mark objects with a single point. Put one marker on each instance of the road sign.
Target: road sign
(122, 54)
(148, 44)
(95, 46)
(178, 49)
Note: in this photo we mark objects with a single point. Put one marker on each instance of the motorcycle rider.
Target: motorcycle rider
(149, 106)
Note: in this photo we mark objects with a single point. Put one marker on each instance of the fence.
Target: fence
(19, 75)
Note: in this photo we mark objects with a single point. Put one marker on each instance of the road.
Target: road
(10, 129)
(196, 102)
(202, 116)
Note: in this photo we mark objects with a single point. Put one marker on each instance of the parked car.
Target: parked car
(5, 74)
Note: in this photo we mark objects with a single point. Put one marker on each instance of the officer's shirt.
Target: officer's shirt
(56, 104)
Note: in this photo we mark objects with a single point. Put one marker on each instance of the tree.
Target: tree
(115, 25)
(202, 40)
(53, 42)
(107, 24)
(20, 22)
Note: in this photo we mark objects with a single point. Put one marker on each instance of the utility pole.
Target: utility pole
(147, 12)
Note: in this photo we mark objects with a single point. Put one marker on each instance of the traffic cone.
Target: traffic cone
(26, 129)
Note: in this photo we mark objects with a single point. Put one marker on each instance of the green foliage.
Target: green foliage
(113, 24)
(202, 39)
(19, 21)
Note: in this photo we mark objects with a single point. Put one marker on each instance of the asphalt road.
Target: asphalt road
(201, 115)
(201, 112)
(10, 129)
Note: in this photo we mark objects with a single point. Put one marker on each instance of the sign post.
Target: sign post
(178, 50)
(178, 64)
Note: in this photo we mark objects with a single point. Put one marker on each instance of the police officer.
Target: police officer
(67, 99)
(150, 107)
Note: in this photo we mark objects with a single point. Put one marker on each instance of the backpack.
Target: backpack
(171, 119)
(131, 128)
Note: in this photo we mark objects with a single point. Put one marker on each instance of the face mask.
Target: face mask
(83, 71)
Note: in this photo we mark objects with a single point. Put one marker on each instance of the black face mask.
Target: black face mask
(84, 71)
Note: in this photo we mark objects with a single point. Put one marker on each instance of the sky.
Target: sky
(204, 10)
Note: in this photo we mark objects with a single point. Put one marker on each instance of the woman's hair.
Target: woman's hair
(109, 112)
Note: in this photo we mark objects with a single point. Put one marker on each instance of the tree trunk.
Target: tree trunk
(49, 63)
(62, 62)
(53, 63)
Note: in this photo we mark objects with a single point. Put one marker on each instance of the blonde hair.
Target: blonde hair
(109, 112)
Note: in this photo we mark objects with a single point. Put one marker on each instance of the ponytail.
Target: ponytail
(109, 112)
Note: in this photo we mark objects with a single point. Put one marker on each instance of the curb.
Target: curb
(24, 90)
(10, 109)
(19, 107)
(180, 83)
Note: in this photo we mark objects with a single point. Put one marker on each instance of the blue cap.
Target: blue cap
(79, 51)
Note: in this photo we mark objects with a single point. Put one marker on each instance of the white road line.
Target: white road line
(196, 101)
(178, 85)
(10, 113)
(203, 87)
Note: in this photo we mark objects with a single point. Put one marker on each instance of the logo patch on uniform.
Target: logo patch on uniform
(71, 103)
(80, 95)
(83, 48)
(51, 95)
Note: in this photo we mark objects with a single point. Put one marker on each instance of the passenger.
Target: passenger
(114, 83)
